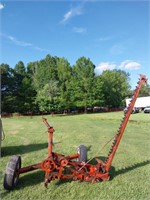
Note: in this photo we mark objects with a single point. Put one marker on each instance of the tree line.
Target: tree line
(53, 85)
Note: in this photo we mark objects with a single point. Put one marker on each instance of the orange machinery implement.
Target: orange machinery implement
(76, 166)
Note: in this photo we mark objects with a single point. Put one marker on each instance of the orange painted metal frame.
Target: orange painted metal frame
(58, 166)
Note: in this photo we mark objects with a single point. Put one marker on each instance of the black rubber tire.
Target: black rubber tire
(82, 150)
(10, 177)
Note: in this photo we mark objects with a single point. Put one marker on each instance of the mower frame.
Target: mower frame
(76, 166)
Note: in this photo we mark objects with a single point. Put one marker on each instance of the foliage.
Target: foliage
(17, 92)
(83, 79)
(47, 97)
(52, 84)
(145, 91)
(98, 95)
(64, 77)
(114, 86)
(22, 89)
(6, 88)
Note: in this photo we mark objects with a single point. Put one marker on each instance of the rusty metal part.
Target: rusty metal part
(124, 121)
(29, 168)
(48, 165)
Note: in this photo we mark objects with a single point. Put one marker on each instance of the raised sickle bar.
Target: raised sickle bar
(141, 82)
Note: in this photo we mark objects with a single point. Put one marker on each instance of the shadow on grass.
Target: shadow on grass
(89, 148)
(21, 149)
(27, 180)
(36, 177)
(124, 170)
(31, 178)
(113, 173)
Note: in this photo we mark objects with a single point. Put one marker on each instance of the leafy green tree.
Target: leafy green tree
(29, 94)
(64, 78)
(82, 83)
(19, 74)
(20, 69)
(98, 95)
(23, 91)
(7, 98)
(145, 91)
(44, 76)
(47, 98)
(43, 71)
(115, 87)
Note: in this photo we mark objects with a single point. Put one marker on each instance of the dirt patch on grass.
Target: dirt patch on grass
(13, 132)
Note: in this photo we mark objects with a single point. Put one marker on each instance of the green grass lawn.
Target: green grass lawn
(130, 178)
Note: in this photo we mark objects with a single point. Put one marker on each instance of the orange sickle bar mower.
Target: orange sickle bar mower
(76, 166)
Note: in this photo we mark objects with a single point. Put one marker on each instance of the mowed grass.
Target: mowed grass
(130, 171)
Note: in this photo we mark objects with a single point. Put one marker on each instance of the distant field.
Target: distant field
(130, 171)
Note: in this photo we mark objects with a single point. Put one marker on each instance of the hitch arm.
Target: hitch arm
(50, 137)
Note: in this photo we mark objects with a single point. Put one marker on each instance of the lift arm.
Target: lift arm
(118, 136)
